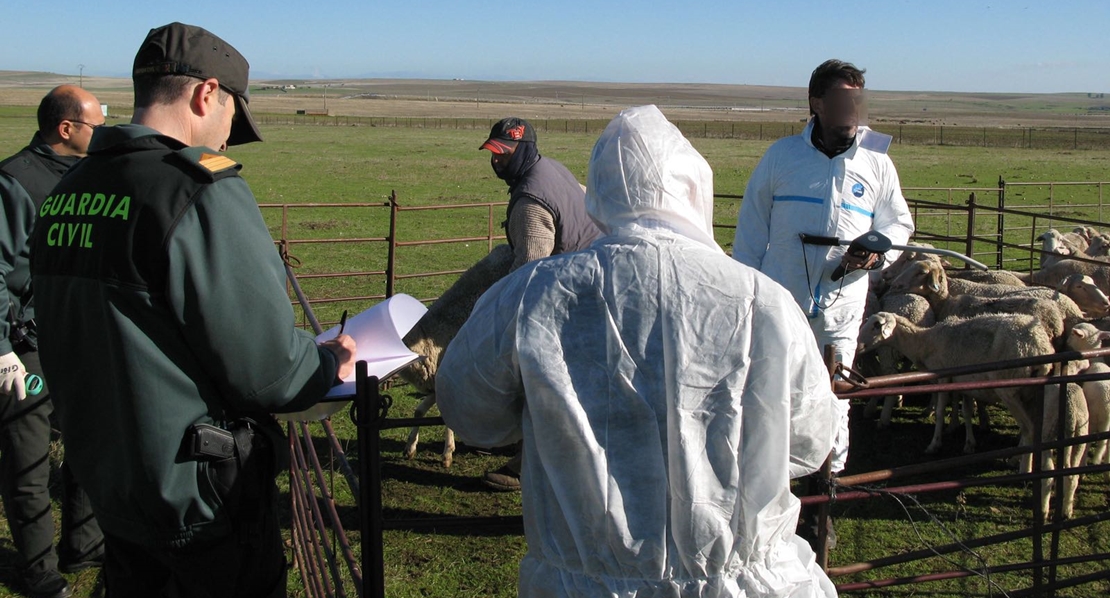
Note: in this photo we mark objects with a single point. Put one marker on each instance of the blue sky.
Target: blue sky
(940, 45)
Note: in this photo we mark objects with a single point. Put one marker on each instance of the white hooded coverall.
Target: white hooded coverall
(665, 393)
(798, 189)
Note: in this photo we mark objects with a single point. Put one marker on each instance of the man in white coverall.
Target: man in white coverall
(665, 394)
(834, 179)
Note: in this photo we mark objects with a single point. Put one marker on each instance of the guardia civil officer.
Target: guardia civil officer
(159, 289)
(546, 216)
(67, 116)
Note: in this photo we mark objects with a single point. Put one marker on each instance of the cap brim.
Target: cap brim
(497, 146)
(243, 129)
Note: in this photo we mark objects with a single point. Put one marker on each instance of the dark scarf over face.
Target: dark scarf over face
(817, 137)
(525, 156)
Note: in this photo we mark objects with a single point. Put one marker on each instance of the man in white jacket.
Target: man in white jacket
(836, 180)
(665, 394)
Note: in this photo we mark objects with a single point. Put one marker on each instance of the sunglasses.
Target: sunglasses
(89, 125)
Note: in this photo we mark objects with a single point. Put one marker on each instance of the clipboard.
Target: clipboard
(377, 332)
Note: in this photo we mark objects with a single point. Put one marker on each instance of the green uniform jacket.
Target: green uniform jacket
(162, 304)
(37, 168)
(17, 218)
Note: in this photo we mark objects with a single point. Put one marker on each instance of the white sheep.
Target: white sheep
(434, 331)
(1085, 337)
(885, 360)
(1059, 245)
(1056, 311)
(908, 256)
(1075, 424)
(1088, 233)
(997, 277)
(925, 272)
(1099, 246)
(1092, 301)
(1097, 393)
(970, 341)
(1051, 276)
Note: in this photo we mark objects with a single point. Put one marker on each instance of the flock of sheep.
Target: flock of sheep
(936, 318)
(923, 313)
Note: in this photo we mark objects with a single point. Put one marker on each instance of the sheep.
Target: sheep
(439, 325)
(1052, 276)
(885, 360)
(957, 342)
(1057, 312)
(906, 258)
(1076, 423)
(1097, 393)
(1092, 301)
(1099, 246)
(997, 277)
(925, 272)
(1085, 337)
(909, 257)
(1057, 244)
(1088, 233)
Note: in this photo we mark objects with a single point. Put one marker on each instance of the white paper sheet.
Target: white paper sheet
(377, 332)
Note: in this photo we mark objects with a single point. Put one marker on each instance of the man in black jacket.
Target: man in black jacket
(67, 117)
(546, 216)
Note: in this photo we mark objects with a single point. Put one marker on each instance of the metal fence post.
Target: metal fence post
(368, 412)
(1001, 220)
(969, 245)
(489, 228)
(1038, 509)
(391, 258)
(826, 481)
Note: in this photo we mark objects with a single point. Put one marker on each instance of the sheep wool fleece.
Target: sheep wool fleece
(797, 189)
(665, 394)
(162, 304)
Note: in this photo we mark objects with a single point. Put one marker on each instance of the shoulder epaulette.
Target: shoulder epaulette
(206, 163)
(215, 162)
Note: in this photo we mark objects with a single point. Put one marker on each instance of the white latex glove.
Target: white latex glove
(12, 375)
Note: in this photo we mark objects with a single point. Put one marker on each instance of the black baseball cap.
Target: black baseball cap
(504, 135)
(179, 49)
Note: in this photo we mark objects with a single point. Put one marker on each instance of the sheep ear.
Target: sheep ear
(1079, 332)
(887, 328)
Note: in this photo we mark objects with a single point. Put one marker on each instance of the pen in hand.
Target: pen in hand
(342, 321)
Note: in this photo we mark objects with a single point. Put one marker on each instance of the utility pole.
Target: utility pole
(81, 75)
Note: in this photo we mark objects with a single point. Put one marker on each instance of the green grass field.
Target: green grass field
(323, 164)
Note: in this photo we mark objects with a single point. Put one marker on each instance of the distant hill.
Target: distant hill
(566, 99)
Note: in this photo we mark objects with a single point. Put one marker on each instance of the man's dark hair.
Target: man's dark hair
(55, 107)
(160, 89)
(166, 89)
(832, 71)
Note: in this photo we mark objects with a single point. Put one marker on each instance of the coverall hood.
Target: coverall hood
(645, 175)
